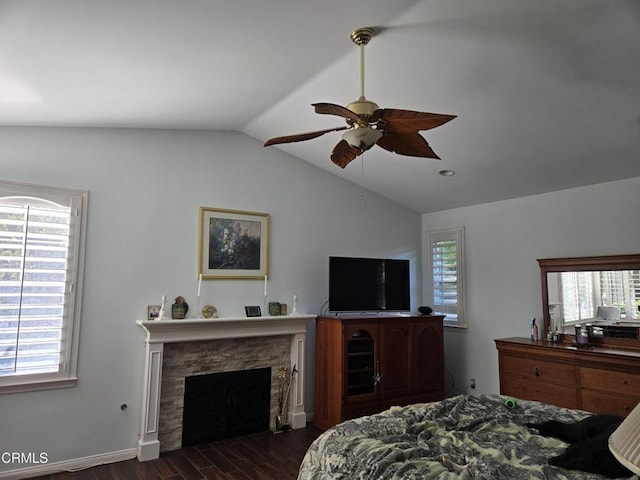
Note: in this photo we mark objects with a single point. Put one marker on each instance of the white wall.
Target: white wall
(503, 241)
(145, 189)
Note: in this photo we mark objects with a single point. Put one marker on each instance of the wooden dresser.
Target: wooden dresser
(596, 379)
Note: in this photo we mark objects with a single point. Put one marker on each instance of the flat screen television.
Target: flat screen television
(368, 284)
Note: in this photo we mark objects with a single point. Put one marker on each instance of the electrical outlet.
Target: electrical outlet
(472, 383)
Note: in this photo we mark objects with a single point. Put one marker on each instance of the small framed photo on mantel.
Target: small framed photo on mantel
(253, 311)
(153, 312)
(233, 244)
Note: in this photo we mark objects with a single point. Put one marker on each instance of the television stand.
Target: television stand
(366, 364)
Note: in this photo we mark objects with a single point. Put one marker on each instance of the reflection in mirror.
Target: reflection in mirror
(593, 296)
(600, 293)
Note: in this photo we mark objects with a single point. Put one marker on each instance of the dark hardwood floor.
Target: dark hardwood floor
(258, 456)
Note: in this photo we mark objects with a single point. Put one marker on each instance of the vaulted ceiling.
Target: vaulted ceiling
(546, 92)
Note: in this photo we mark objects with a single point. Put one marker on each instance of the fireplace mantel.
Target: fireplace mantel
(194, 330)
(159, 332)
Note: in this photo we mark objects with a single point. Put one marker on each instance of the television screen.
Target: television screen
(368, 284)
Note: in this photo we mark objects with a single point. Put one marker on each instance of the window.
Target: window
(41, 261)
(577, 295)
(582, 294)
(445, 282)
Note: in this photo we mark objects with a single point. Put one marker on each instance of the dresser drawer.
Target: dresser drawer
(536, 369)
(560, 395)
(611, 382)
(607, 404)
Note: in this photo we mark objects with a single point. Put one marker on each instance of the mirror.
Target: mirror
(603, 292)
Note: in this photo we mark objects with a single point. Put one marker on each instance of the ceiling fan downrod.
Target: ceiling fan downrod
(362, 106)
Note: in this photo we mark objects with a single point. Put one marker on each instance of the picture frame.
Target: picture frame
(274, 308)
(253, 311)
(153, 312)
(233, 244)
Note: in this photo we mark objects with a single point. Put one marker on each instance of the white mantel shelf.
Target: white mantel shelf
(159, 332)
(193, 330)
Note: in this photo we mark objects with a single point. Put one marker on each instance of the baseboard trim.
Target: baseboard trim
(70, 465)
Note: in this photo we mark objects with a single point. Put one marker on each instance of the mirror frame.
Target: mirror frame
(581, 264)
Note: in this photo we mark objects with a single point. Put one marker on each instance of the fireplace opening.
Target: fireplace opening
(222, 405)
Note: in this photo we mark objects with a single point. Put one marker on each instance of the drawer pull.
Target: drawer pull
(624, 382)
(537, 372)
(627, 409)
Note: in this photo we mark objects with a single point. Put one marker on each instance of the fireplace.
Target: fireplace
(222, 405)
(174, 351)
(183, 360)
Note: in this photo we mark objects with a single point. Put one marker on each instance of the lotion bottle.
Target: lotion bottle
(534, 330)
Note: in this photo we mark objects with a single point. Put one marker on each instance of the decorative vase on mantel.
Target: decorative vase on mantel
(179, 309)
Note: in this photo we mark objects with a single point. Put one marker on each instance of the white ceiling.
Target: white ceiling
(547, 92)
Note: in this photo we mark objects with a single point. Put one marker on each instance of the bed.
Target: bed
(462, 437)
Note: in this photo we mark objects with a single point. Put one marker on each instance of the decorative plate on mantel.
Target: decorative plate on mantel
(209, 311)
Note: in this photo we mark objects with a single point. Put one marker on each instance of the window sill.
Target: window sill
(455, 326)
(20, 386)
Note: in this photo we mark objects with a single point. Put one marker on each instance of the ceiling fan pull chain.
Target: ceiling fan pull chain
(362, 180)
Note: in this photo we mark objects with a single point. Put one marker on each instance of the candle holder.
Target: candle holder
(198, 312)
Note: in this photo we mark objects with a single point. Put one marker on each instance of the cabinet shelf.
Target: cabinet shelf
(360, 354)
(358, 386)
(359, 370)
(362, 348)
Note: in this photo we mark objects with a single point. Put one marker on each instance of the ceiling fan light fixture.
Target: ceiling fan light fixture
(362, 137)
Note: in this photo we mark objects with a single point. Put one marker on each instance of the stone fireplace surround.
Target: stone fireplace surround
(161, 332)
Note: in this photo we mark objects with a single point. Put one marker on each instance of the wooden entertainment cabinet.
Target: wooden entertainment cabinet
(367, 364)
(598, 379)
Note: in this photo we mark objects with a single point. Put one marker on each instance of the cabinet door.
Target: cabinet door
(428, 357)
(361, 362)
(395, 358)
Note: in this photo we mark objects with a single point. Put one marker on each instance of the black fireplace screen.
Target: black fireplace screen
(222, 405)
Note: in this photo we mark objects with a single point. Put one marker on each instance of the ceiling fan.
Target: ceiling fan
(368, 125)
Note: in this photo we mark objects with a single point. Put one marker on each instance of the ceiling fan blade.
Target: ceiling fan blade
(302, 136)
(343, 153)
(408, 121)
(339, 110)
(411, 144)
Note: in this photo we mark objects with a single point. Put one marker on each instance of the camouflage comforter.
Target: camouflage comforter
(462, 437)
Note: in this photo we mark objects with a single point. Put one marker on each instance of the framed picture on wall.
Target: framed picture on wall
(233, 244)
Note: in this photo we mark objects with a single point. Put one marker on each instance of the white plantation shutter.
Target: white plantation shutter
(583, 292)
(621, 289)
(41, 252)
(577, 292)
(446, 275)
